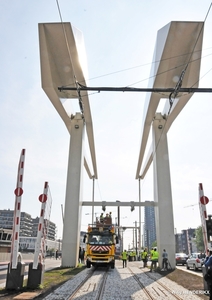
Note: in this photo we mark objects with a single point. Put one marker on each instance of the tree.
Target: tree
(154, 244)
(199, 239)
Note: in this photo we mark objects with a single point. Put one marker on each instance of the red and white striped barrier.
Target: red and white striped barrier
(189, 246)
(40, 247)
(203, 214)
(17, 212)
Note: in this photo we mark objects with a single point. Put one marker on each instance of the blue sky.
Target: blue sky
(119, 39)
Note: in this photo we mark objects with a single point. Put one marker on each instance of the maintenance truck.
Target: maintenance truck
(101, 242)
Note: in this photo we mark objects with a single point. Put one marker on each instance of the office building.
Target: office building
(185, 241)
(50, 225)
(149, 226)
(28, 225)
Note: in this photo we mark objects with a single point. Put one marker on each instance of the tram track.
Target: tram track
(130, 282)
(159, 289)
(96, 286)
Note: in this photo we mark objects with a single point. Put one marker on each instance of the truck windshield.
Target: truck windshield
(100, 239)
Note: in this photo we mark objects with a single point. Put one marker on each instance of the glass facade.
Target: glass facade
(149, 226)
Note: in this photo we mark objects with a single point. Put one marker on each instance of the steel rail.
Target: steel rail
(81, 284)
(100, 286)
(155, 280)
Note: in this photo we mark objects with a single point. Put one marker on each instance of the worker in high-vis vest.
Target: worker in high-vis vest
(154, 259)
(151, 253)
(101, 218)
(124, 258)
(144, 257)
(134, 256)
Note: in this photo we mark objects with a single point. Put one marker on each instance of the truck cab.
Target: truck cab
(100, 242)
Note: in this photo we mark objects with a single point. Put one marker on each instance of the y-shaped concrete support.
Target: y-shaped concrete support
(162, 191)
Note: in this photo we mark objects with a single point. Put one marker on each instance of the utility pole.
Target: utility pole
(133, 240)
(118, 215)
(139, 190)
(136, 242)
(93, 200)
(62, 212)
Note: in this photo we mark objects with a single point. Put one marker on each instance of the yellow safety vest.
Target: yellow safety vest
(155, 255)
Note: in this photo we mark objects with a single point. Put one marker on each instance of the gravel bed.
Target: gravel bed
(65, 290)
(121, 285)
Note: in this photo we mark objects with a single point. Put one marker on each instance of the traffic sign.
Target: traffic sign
(42, 198)
(18, 191)
(204, 200)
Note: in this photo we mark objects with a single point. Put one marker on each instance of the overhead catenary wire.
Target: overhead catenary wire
(132, 89)
(142, 65)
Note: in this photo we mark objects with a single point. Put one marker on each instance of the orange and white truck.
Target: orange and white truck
(101, 242)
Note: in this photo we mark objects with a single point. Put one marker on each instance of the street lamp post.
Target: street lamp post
(136, 243)
(133, 238)
(139, 182)
(122, 230)
(93, 201)
(118, 215)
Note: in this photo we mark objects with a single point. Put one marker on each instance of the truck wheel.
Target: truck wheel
(88, 264)
(112, 265)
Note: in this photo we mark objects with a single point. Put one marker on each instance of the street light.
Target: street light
(122, 230)
(118, 215)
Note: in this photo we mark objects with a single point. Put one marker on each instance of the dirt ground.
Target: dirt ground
(187, 280)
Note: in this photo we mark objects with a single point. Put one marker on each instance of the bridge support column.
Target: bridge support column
(162, 191)
(73, 201)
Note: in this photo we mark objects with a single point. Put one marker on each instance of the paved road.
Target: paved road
(198, 272)
(49, 264)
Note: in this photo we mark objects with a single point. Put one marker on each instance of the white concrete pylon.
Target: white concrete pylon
(178, 49)
(73, 202)
(162, 191)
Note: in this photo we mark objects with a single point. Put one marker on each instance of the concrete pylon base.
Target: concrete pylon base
(35, 276)
(15, 277)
